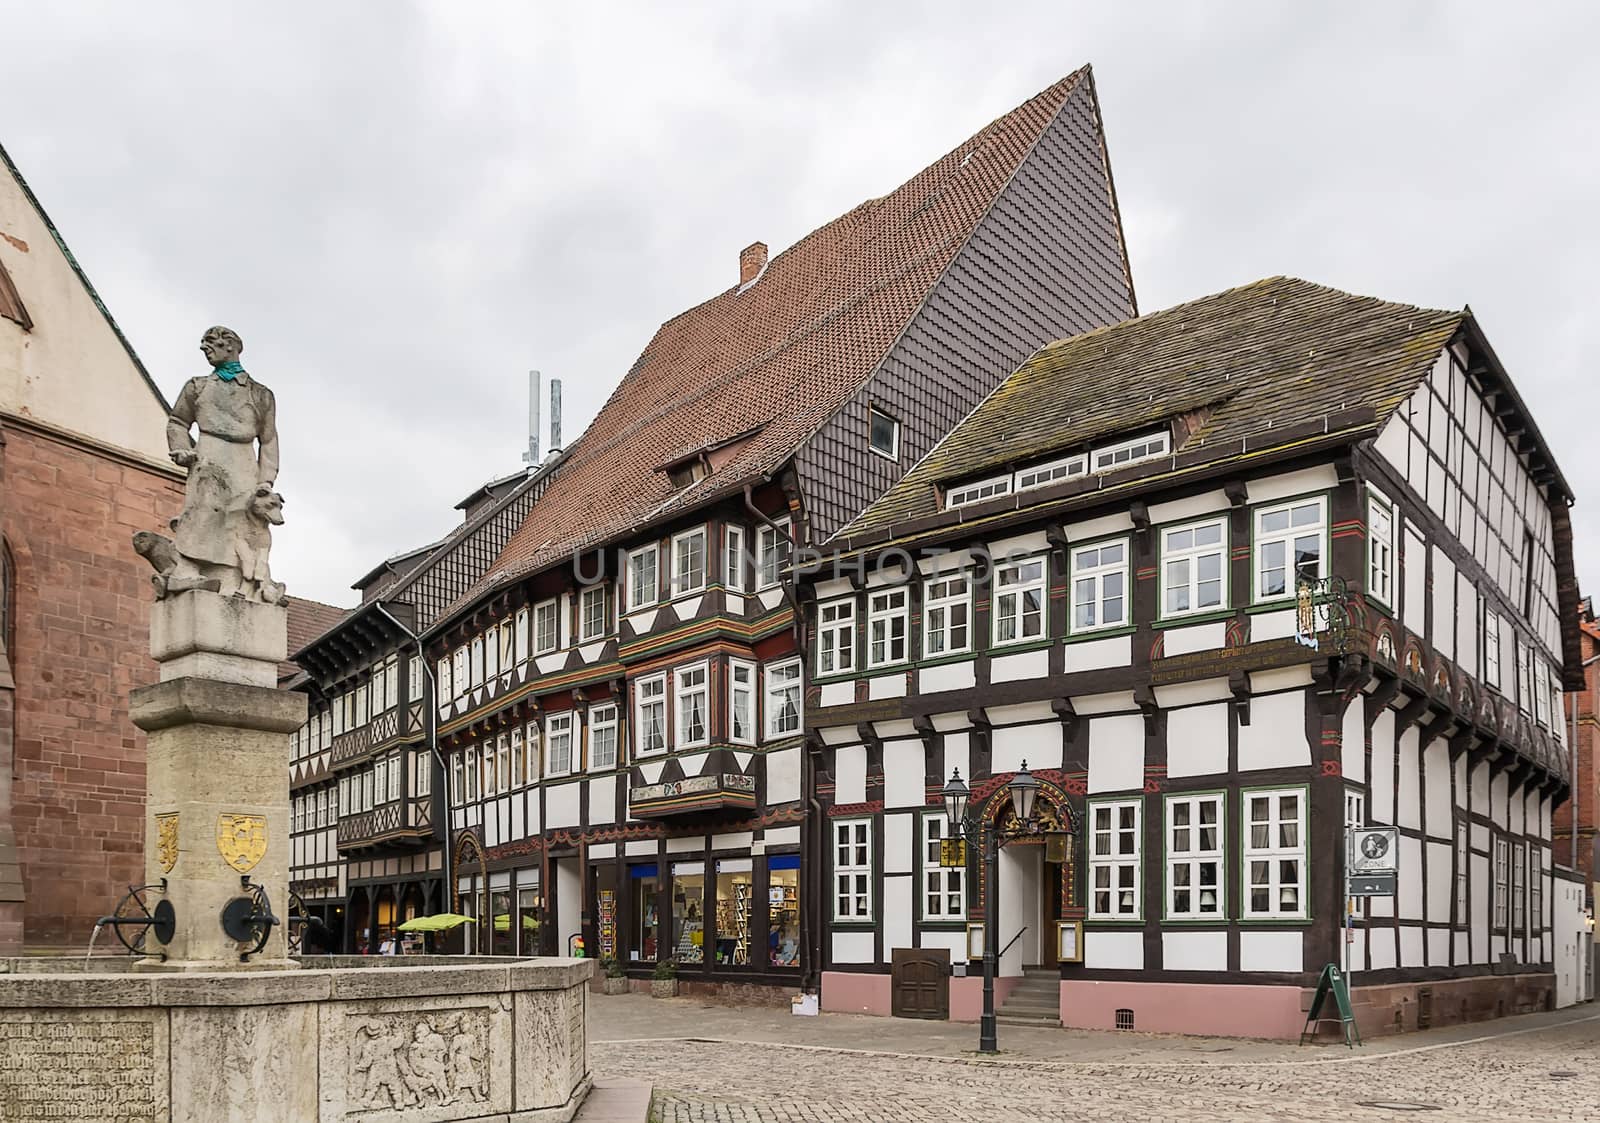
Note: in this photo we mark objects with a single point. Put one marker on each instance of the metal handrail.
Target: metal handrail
(1013, 940)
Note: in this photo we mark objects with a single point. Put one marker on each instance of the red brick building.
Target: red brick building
(1579, 714)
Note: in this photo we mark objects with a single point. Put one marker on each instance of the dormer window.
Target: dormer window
(884, 435)
(688, 472)
(1131, 451)
(977, 492)
(1041, 474)
(1105, 458)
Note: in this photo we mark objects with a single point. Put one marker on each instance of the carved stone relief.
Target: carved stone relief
(431, 1060)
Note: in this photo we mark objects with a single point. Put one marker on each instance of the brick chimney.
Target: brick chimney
(752, 260)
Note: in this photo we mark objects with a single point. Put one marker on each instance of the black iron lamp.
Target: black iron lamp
(956, 793)
(1024, 791)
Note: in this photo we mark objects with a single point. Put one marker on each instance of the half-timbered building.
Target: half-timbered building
(620, 697)
(1226, 578)
(367, 836)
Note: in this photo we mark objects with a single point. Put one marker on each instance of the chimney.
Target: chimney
(531, 457)
(752, 260)
(555, 415)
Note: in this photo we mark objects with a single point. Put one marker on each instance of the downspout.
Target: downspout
(811, 845)
(433, 747)
(1572, 753)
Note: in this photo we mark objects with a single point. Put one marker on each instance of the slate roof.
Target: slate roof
(1245, 365)
(760, 369)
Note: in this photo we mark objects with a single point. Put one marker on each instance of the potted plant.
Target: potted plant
(613, 980)
(664, 983)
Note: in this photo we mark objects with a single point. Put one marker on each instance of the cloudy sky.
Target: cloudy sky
(404, 207)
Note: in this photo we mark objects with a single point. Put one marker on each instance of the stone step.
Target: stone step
(616, 1101)
(1052, 1009)
(1030, 1022)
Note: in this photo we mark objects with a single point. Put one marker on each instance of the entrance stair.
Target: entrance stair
(1034, 1001)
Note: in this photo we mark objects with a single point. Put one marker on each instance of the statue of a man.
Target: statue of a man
(222, 535)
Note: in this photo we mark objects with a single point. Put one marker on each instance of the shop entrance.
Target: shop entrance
(568, 902)
(1022, 890)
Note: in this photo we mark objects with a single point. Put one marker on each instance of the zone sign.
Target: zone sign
(1374, 850)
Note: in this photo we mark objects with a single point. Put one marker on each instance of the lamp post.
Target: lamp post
(1024, 790)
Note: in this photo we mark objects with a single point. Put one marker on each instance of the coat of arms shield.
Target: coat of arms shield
(167, 840)
(242, 840)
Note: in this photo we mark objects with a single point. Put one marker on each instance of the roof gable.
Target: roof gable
(1229, 367)
(766, 364)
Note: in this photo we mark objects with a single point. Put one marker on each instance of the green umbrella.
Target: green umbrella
(502, 923)
(443, 922)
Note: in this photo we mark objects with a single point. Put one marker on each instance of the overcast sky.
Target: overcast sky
(403, 208)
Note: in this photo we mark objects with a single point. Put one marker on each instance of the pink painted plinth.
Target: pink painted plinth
(1213, 1010)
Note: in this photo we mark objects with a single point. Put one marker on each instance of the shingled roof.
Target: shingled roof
(758, 368)
(307, 620)
(1241, 369)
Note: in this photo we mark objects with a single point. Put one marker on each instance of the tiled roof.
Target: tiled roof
(771, 363)
(1235, 365)
(308, 619)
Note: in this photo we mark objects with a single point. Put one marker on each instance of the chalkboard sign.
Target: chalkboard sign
(1332, 981)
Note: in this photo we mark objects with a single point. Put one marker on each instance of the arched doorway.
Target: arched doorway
(474, 902)
(1037, 872)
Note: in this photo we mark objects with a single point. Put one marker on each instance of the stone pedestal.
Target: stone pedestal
(217, 748)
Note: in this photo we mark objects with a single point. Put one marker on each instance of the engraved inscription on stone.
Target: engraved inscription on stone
(435, 1059)
(77, 1070)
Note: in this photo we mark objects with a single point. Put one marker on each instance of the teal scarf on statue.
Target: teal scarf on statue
(228, 371)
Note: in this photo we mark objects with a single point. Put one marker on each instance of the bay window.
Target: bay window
(602, 737)
(689, 561)
(690, 701)
(650, 714)
(741, 702)
(643, 584)
(782, 701)
(558, 738)
(592, 613)
(546, 627)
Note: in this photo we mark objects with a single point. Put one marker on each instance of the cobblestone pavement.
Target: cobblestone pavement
(711, 1064)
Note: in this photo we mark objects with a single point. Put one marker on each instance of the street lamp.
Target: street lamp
(1024, 791)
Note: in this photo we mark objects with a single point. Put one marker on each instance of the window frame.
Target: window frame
(1500, 880)
(1072, 466)
(893, 452)
(567, 728)
(679, 586)
(1274, 853)
(1195, 857)
(1019, 590)
(634, 558)
(947, 884)
(1160, 436)
(554, 605)
(859, 893)
(1489, 644)
(1259, 539)
(1096, 574)
(889, 617)
(780, 549)
(990, 487)
(748, 690)
(1115, 860)
(1192, 555)
(603, 717)
(1519, 889)
(733, 557)
(655, 686)
(1380, 506)
(680, 692)
(584, 602)
(842, 632)
(1463, 882)
(944, 604)
(533, 753)
(797, 666)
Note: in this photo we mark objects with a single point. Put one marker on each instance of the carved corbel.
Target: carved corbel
(1067, 716)
(1435, 728)
(1056, 535)
(1139, 512)
(1345, 468)
(869, 736)
(1239, 687)
(1410, 714)
(982, 728)
(1237, 492)
(1145, 698)
(1462, 742)
(580, 697)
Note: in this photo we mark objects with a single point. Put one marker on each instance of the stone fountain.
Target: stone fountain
(216, 1021)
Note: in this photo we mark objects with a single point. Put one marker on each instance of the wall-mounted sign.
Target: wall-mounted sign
(1374, 850)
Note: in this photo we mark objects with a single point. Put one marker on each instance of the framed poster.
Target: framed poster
(974, 941)
(1069, 941)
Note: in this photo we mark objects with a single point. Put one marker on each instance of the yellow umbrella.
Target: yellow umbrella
(502, 923)
(442, 922)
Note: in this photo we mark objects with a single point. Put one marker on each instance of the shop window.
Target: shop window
(735, 911)
(783, 910)
(528, 918)
(504, 940)
(644, 932)
(688, 912)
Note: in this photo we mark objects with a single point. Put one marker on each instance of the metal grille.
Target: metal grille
(1124, 1019)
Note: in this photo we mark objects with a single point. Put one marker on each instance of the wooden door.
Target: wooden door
(921, 983)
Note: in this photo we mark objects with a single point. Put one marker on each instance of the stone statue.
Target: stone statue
(224, 535)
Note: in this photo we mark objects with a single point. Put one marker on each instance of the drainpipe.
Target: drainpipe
(1572, 752)
(432, 713)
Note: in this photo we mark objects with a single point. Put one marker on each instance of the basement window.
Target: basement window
(884, 435)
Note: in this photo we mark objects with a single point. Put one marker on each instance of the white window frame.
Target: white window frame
(1274, 853)
(650, 694)
(684, 687)
(888, 626)
(1089, 583)
(943, 895)
(603, 722)
(1355, 816)
(650, 594)
(421, 773)
(1016, 590)
(1536, 891)
(1115, 852)
(1146, 446)
(533, 748)
(681, 580)
(539, 612)
(585, 600)
(939, 604)
(558, 728)
(470, 770)
(1462, 879)
(491, 771)
(524, 634)
(1519, 886)
(1492, 669)
(1382, 534)
(733, 558)
(519, 766)
(774, 546)
(491, 654)
(1541, 694)
(893, 452)
(1043, 475)
(1501, 874)
(1196, 856)
(741, 701)
(1192, 556)
(851, 862)
(1524, 655)
(458, 788)
(789, 679)
(977, 491)
(836, 637)
(1260, 539)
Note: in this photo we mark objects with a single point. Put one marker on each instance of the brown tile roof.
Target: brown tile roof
(1239, 364)
(772, 363)
(308, 619)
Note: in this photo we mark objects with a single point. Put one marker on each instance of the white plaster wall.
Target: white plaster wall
(850, 774)
(1197, 740)
(1413, 560)
(646, 848)
(904, 782)
(1408, 890)
(838, 693)
(1210, 502)
(1499, 809)
(899, 842)
(1515, 807)
(853, 947)
(1039, 745)
(1391, 443)
(1413, 948)
(1272, 950)
(1461, 789)
(1095, 654)
(603, 799)
(1462, 948)
(1194, 951)
(1183, 694)
(1023, 665)
(953, 942)
(897, 913)
(1479, 903)
(1467, 625)
(1195, 637)
(1116, 753)
(1380, 798)
(1353, 742)
(1441, 882)
(1408, 794)
(1286, 485)
(1380, 949)
(1480, 788)
(1272, 625)
(1094, 528)
(1276, 735)
(957, 754)
(781, 836)
(783, 775)
(1122, 951)
(689, 844)
(1444, 603)
(887, 686)
(946, 676)
(561, 804)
